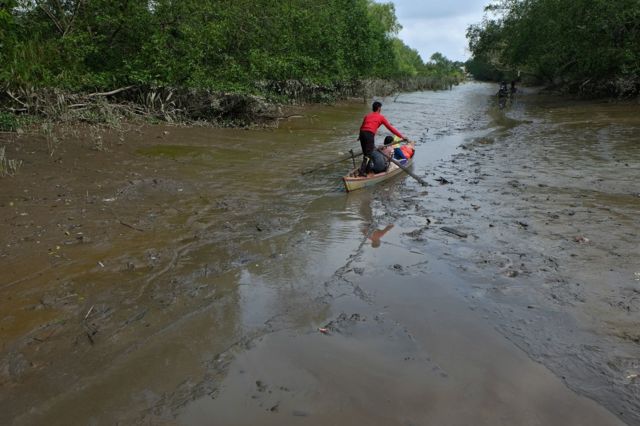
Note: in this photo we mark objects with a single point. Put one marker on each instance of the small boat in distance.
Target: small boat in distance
(352, 181)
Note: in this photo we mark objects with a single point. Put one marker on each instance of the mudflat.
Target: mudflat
(173, 275)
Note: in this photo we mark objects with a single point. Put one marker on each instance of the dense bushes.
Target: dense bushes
(222, 45)
(590, 46)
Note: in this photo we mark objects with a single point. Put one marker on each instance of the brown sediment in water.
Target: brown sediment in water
(181, 274)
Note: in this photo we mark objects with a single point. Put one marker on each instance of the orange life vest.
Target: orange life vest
(407, 151)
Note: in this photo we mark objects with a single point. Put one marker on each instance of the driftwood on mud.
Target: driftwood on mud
(130, 226)
(88, 312)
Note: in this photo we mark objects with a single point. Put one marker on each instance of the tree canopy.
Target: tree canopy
(213, 44)
(582, 43)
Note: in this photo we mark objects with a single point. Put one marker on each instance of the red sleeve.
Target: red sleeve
(391, 128)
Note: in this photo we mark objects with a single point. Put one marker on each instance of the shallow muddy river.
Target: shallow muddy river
(168, 275)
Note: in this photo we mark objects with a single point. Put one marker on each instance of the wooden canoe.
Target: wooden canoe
(352, 181)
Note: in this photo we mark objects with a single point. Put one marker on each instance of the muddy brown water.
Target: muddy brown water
(172, 275)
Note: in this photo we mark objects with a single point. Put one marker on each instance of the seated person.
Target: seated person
(390, 145)
(406, 151)
(380, 157)
(402, 153)
(379, 162)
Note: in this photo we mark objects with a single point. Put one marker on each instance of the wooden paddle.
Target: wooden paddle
(407, 171)
(333, 162)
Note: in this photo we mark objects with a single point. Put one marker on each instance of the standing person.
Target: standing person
(503, 94)
(370, 126)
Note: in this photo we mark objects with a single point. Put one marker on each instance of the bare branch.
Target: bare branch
(52, 17)
(8, 92)
(73, 17)
(113, 92)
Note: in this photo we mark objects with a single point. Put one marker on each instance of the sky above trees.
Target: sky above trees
(438, 25)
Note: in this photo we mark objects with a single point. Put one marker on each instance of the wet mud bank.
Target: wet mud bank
(546, 202)
(175, 275)
(128, 265)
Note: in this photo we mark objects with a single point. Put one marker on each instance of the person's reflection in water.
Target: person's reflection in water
(377, 235)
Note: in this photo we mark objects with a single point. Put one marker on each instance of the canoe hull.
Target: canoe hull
(353, 182)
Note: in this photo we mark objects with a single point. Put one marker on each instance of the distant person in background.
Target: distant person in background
(368, 129)
(503, 91)
(513, 90)
(503, 94)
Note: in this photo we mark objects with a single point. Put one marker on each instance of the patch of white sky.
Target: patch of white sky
(431, 26)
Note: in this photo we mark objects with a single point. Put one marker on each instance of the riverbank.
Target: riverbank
(180, 274)
(267, 104)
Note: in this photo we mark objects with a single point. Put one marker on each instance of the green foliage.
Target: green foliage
(8, 122)
(408, 61)
(482, 70)
(226, 45)
(442, 69)
(578, 42)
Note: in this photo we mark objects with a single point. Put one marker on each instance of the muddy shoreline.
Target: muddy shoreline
(148, 279)
(553, 236)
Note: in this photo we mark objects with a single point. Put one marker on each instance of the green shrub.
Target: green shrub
(8, 122)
